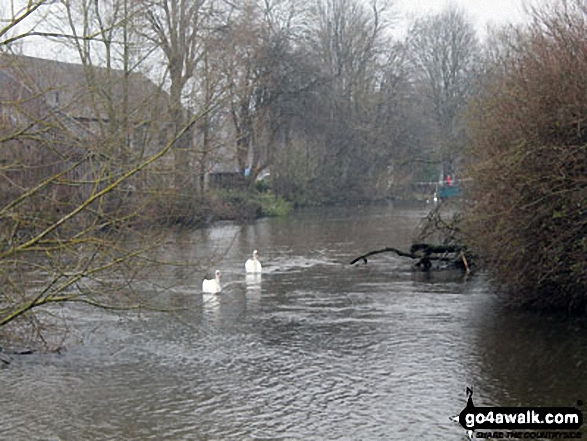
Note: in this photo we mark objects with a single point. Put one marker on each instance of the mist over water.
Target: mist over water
(313, 349)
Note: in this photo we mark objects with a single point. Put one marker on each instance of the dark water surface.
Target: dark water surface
(314, 349)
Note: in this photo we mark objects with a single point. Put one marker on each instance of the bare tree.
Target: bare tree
(174, 27)
(206, 89)
(252, 56)
(444, 52)
(15, 17)
(59, 240)
(347, 37)
(347, 40)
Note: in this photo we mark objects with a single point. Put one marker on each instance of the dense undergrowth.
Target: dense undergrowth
(529, 165)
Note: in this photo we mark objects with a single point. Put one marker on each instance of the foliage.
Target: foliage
(529, 163)
(273, 206)
(247, 204)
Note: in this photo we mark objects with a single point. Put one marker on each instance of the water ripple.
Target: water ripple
(312, 350)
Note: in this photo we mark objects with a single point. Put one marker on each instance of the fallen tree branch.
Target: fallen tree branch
(426, 253)
(385, 250)
(428, 248)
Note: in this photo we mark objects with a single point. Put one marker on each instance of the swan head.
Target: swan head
(217, 275)
(255, 254)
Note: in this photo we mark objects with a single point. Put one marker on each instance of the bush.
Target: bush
(529, 146)
(172, 207)
(272, 205)
(192, 209)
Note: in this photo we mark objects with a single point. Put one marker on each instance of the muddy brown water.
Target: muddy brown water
(313, 349)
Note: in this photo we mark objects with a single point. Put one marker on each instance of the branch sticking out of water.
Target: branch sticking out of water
(426, 253)
(385, 250)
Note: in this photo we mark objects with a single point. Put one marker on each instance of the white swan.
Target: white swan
(212, 285)
(253, 265)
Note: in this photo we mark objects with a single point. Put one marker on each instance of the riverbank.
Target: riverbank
(197, 210)
(194, 210)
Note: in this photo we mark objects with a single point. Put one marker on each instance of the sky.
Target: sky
(481, 12)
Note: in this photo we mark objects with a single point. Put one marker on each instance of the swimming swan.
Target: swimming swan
(253, 265)
(212, 285)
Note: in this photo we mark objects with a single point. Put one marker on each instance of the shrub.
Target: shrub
(272, 205)
(529, 167)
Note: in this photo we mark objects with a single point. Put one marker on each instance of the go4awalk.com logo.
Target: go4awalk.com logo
(519, 422)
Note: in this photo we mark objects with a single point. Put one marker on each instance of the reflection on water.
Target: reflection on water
(312, 349)
(533, 359)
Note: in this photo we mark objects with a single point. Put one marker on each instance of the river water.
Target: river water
(314, 349)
